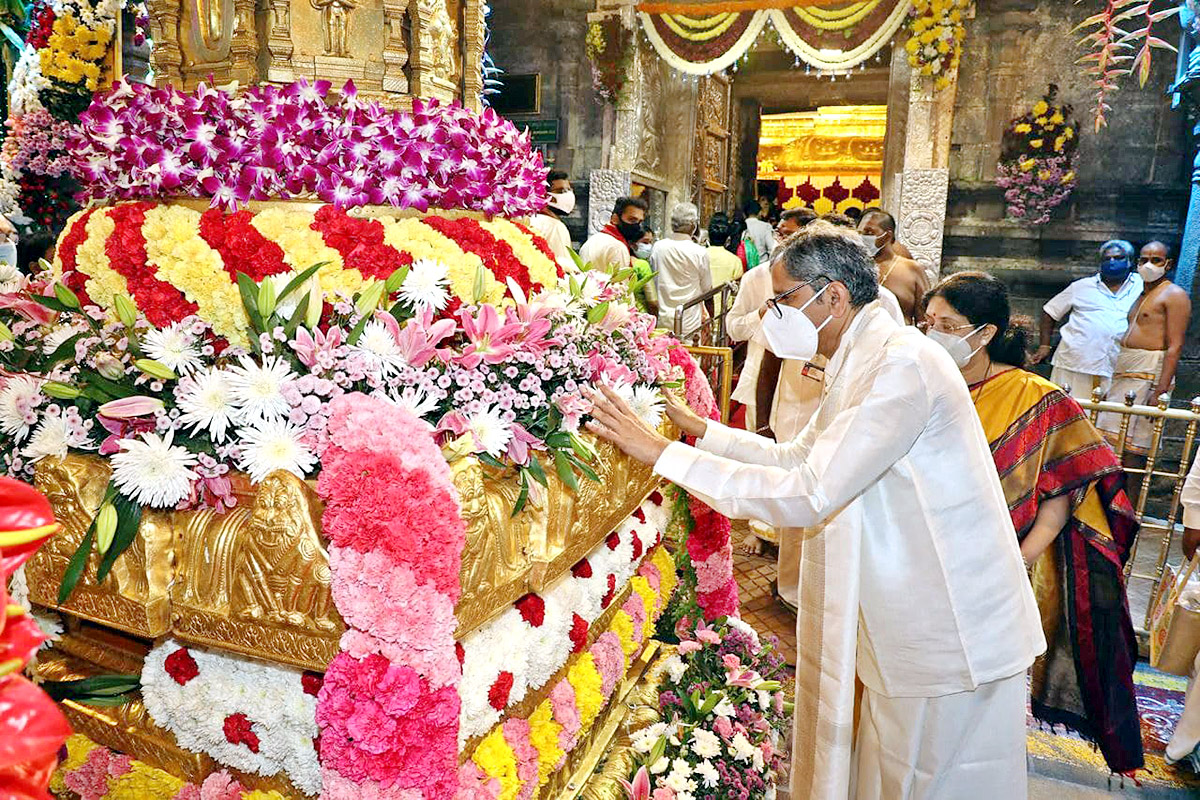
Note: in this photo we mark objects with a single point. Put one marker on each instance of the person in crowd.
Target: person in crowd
(792, 220)
(1149, 352)
(758, 231)
(1096, 310)
(612, 245)
(32, 248)
(896, 488)
(725, 266)
(900, 248)
(903, 277)
(855, 214)
(838, 220)
(549, 225)
(644, 297)
(1065, 490)
(681, 272)
(740, 243)
(1184, 746)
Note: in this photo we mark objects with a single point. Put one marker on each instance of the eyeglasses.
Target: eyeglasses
(773, 303)
(928, 324)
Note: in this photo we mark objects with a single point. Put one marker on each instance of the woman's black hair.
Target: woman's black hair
(983, 300)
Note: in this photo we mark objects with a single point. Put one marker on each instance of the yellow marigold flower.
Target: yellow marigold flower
(1027, 164)
(1068, 133)
(1043, 175)
(1058, 144)
(496, 759)
(1036, 143)
(1023, 127)
(1070, 176)
(1057, 119)
(1040, 109)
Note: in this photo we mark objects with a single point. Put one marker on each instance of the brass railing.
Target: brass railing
(1159, 512)
(717, 365)
(712, 332)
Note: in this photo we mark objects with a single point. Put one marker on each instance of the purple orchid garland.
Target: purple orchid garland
(269, 142)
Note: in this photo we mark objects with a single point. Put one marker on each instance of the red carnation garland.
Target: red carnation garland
(242, 247)
(68, 250)
(496, 254)
(542, 247)
(360, 243)
(161, 302)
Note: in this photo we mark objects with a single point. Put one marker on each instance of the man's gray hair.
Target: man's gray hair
(1124, 246)
(685, 218)
(822, 250)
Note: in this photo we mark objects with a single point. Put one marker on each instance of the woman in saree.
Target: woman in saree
(1065, 490)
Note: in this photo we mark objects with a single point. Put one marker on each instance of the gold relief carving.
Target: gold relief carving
(206, 32)
(395, 51)
(335, 24)
(434, 64)
(166, 58)
(845, 140)
(243, 47)
(474, 30)
(134, 595)
(279, 42)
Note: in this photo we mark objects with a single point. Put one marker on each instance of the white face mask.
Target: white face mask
(563, 202)
(1151, 272)
(957, 346)
(642, 251)
(871, 243)
(793, 335)
(8, 253)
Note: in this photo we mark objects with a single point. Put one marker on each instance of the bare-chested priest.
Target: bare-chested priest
(904, 277)
(1150, 350)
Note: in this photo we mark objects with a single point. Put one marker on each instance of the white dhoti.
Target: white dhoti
(1137, 372)
(796, 400)
(1187, 731)
(1080, 385)
(968, 745)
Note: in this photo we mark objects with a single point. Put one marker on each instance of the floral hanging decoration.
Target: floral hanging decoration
(610, 48)
(1037, 164)
(936, 33)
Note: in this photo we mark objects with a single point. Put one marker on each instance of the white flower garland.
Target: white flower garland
(282, 715)
(26, 84)
(534, 655)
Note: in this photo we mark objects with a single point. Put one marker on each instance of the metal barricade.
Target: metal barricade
(1156, 488)
(712, 333)
(717, 365)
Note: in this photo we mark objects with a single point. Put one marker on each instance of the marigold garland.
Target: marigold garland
(936, 33)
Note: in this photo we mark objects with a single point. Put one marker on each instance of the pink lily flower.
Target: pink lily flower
(317, 346)
(736, 674)
(521, 443)
(419, 339)
(491, 341)
(706, 634)
(640, 788)
(34, 312)
(130, 407)
(119, 429)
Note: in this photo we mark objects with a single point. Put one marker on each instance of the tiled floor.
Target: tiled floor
(759, 607)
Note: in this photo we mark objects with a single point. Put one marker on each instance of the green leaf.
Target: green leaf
(562, 465)
(537, 471)
(12, 37)
(96, 687)
(395, 280)
(52, 303)
(490, 460)
(596, 313)
(76, 564)
(356, 334)
(129, 517)
(659, 750)
(559, 440)
(580, 465)
(578, 261)
(114, 389)
(576, 289)
(297, 317)
(249, 294)
(64, 351)
(523, 497)
(477, 289)
(297, 281)
(713, 700)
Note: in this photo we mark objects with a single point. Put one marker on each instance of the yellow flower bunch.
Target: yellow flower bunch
(936, 32)
(74, 52)
(543, 735)
(666, 568)
(585, 680)
(642, 589)
(91, 259)
(541, 269)
(421, 241)
(292, 230)
(496, 758)
(622, 626)
(1028, 164)
(184, 260)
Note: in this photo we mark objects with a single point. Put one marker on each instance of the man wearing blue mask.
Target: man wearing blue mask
(910, 575)
(1097, 312)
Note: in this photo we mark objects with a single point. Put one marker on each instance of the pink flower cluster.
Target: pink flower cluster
(268, 142)
(1032, 194)
(90, 780)
(389, 707)
(37, 142)
(708, 544)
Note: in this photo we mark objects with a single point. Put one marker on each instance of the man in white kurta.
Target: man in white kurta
(911, 576)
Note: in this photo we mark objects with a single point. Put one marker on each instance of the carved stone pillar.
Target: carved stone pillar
(279, 42)
(924, 184)
(473, 33)
(166, 58)
(395, 51)
(606, 185)
(243, 48)
(435, 51)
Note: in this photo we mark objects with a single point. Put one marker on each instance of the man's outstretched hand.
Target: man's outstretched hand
(612, 419)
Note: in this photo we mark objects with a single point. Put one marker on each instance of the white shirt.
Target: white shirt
(557, 237)
(744, 325)
(895, 458)
(1091, 339)
(1191, 497)
(763, 236)
(603, 250)
(681, 273)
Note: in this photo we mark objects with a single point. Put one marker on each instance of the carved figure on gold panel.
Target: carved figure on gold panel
(442, 37)
(281, 570)
(335, 25)
(495, 551)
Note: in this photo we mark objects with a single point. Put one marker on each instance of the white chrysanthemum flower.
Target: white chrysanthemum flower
(12, 280)
(53, 437)
(648, 403)
(708, 774)
(379, 346)
(58, 335)
(208, 403)
(705, 743)
(492, 434)
(173, 346)
(676, 668)
(592, 286)
(256, 388)
(427, 285)
(152, 471)
(742, 748)
(274, 445)
(17, 398)
(413, 400)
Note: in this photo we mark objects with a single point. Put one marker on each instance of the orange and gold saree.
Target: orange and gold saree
(1045, 447)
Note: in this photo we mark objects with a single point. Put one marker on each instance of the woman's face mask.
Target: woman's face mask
(959, 347)
(642, 250)
(563, 202)
(789, 331)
